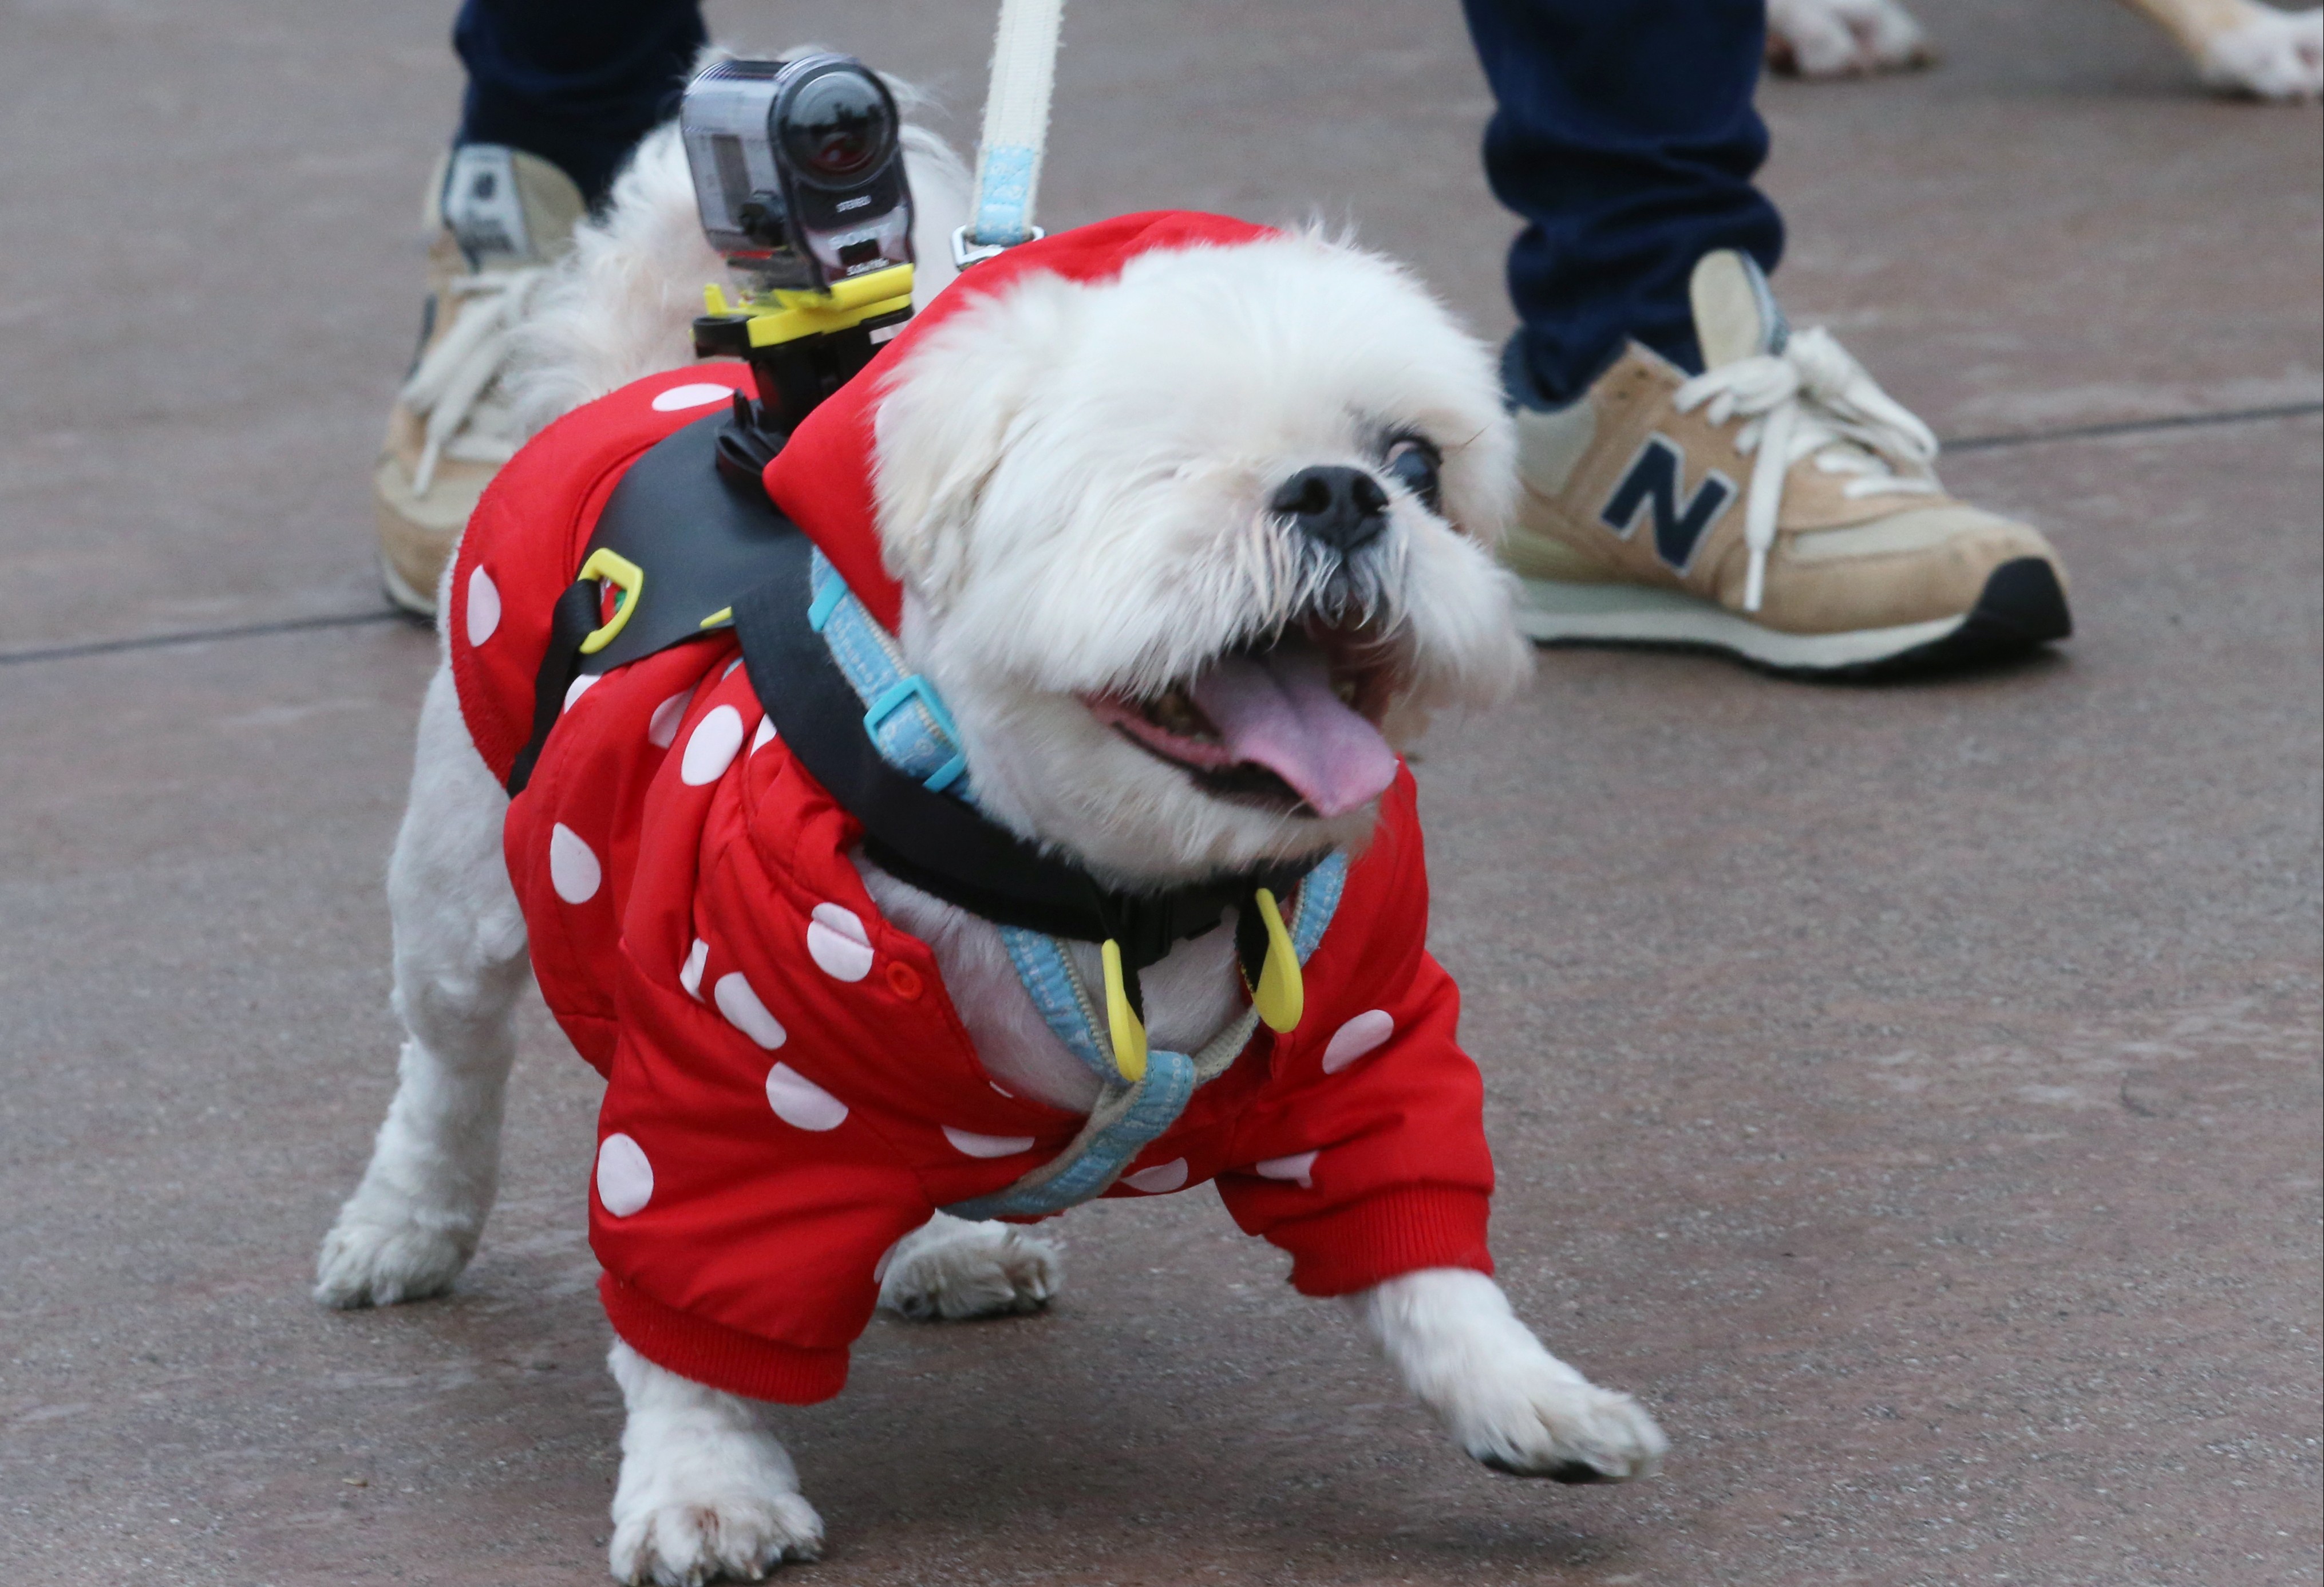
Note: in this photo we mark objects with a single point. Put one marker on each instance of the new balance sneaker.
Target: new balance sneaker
(1779, 507)
(500, 218)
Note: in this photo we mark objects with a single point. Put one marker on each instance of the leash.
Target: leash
(1016, 130)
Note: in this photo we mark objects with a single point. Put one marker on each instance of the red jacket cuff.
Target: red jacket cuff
(722, 1357)
(1386, 1236)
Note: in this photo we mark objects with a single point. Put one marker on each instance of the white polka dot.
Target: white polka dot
(661, 727)
(625, 1178)
(580, 687)
(987, 1146)
(689, 974)
(483, 606)
(1298, 1169)
(764, 736)
(801, 1103)
(838, 943)
(1161, 1179)
(1358, 1037)
(711, 748)
(693, 396)
(573, 870)
(746, 1013)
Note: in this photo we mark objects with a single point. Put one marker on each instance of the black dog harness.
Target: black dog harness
(688, 527)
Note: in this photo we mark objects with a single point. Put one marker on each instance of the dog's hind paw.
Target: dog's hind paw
(722, 1528)
(2272, 55)
(1546, 1421)
(370, 1261)
(949, 1268)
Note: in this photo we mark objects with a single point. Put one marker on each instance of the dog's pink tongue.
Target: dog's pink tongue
(1278, 711)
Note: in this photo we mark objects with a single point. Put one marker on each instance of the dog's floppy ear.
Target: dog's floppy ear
(950, 411)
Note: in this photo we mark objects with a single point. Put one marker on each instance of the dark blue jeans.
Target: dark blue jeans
(1624, 138)
(578, 82)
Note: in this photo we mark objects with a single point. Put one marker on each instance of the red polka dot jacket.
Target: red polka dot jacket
(789, 1091)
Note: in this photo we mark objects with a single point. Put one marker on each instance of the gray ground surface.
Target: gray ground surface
(1912, 1092)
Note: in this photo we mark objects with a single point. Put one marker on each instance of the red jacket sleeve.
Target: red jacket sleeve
(1365, 1155)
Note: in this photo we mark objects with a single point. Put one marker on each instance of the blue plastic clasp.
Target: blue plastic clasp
(899, 695)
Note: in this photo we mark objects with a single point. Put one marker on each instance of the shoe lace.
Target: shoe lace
(1811, 400)
(455, 386)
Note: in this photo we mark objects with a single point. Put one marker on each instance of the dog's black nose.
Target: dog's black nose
(1344, 508)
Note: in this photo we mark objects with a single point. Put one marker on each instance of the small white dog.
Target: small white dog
(1100, 499)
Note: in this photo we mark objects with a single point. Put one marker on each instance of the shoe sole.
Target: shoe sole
(2021, 608)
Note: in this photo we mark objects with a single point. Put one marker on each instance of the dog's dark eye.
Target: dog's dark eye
(1413, 463)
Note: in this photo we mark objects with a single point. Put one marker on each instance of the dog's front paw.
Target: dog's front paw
(706, 1490)
(378, 1257)
(2270, 55)
(713, 1525)
(1505, 1398)
(1543, 1419)
(950, 1268)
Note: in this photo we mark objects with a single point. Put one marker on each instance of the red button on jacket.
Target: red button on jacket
(789, 1090)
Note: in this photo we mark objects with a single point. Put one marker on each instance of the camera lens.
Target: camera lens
(837, 126)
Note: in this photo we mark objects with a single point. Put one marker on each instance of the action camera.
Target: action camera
(798, 170)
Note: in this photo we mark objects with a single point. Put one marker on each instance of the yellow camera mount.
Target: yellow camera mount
(803, 346)
(780, 315)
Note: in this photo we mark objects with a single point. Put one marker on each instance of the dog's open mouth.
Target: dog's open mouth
(1290, 725)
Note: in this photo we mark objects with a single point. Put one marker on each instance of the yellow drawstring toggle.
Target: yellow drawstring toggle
(1281, 995)
(1121, 1020)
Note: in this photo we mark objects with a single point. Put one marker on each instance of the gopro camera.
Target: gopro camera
(797, 168)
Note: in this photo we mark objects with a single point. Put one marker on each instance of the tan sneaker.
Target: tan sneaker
(1780, 507)
(500, 217)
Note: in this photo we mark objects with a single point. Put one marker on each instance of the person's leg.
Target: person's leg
(1626, 139)
(559, 93)
(1696, 474)
(577, 82)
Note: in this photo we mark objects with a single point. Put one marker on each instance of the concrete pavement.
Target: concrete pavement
(1912, 1092)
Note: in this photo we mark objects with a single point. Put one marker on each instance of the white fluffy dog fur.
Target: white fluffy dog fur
(2236, 47)
(1059, 442)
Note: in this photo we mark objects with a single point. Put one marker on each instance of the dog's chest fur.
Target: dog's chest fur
(1190, 996)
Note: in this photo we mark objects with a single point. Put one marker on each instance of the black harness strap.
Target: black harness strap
(931, 840)
(698, 535)
(570, 622)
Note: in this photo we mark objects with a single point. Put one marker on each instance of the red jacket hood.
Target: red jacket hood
(822, 478)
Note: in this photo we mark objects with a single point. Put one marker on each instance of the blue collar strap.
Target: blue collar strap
(1129, 1114)
(902, 712)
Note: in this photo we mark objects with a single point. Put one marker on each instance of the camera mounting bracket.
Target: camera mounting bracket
(783, 315)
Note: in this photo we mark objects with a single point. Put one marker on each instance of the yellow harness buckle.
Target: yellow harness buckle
(629, 581)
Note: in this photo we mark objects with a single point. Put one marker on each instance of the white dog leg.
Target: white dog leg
(1844, 37)
(705, 1491)
(949, 1268)
(1505, 1400)
(459, 963)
